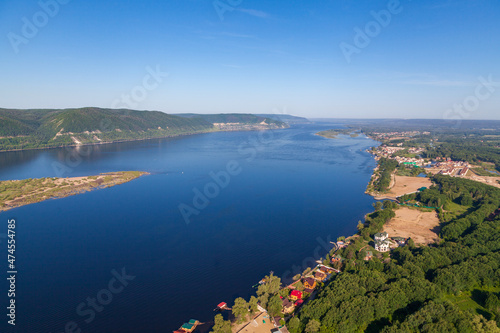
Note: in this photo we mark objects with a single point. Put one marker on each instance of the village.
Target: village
(304, 287)
(439, 165)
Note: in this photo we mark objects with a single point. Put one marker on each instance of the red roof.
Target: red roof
(296, 293)
(299, 302)
(221, 305)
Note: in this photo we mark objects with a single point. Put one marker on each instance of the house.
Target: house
(295, 295)
(320, 276)
(336, 258)
(380, 236)
(326, 270)
(368, 255)
(288, 306)
(382, 246)
(309, 283)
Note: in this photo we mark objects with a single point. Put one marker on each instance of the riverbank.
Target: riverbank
(17, 193)
(161, 134)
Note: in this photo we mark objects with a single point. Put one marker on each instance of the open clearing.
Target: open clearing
(422, 227)
(257, 325)
(402, 185)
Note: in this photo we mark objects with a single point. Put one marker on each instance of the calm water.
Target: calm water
(293, 194)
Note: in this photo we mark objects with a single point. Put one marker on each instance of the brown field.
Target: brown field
(483, 179)
(402, 185)
(422, 227)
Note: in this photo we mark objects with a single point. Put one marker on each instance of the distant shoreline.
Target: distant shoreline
(134, 140)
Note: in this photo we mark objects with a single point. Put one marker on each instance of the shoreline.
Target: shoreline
(246, 324)
(143, 139)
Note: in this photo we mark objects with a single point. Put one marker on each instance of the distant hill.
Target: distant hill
(44, 128)
(226, 118)
(286, 118)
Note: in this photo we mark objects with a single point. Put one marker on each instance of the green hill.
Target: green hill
(45, 128)
(26, 129)
(286, 118)
(232, 118)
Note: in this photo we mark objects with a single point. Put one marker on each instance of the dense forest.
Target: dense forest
(384, 175)
(28, 129)
(453, 286)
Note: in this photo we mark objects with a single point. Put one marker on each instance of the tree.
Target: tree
(296, 277)
(360, 226)
(253, 304)
(275, 306)
(240, 310)
(221, 325)
(294, 325)
(313, 326)
(263, 299)
(299, 286)
(377, 205)
(271, 286)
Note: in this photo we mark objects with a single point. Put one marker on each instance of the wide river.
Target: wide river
(126, 259)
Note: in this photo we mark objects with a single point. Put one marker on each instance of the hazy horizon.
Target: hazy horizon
(364, 59)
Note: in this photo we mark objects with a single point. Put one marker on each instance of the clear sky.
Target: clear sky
(330, 58)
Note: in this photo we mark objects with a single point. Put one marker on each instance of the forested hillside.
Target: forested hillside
(26, 129)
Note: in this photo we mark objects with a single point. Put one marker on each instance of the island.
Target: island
(333, 134)
(17, 193)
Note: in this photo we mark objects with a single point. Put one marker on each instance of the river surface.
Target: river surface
(252, 202)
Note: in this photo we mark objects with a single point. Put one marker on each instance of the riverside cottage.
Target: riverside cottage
(295, 295)
(309, 283)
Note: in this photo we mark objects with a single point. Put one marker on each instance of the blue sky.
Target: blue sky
(421, 61)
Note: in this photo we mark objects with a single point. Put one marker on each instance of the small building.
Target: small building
(382, 246)
(326, 270)
(336, 258)
(299, 303)
(368, 255)
(380, 236)
(288, 306)
(320, 276)
(295, 295)
(309, 283)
